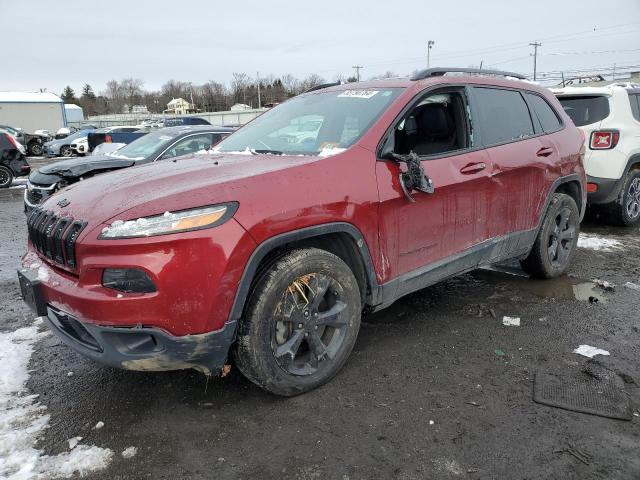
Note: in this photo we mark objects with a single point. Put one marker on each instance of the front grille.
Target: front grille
(54, 236)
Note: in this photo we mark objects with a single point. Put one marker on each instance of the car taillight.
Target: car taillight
(12, 140)
(108, 139)
(604, 139)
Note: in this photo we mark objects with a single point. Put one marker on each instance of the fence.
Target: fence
(232, 117)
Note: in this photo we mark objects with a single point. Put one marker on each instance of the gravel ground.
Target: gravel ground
(426, 393)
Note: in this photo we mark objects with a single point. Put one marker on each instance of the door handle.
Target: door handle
(544, 152)
(473, 168)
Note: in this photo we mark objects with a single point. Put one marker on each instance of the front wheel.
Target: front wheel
(35, 149)
(65, 151)
(557, 239)
(6, 177)
(301, 323)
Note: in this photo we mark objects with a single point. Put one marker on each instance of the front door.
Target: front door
(448, 222)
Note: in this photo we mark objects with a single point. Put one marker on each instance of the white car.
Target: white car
(80, 146)
(609, 116)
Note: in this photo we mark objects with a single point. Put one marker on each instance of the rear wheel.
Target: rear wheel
(625, 210)
(6, 177)
(65, 151)
(557, 239)
(301, 323)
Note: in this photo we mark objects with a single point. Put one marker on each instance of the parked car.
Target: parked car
(33, 142)
(12, 160)
(62, 147)
(610, 119)
(126, 134)
(83, 145)
(267, 252)
(105, 148)
(177, 121)
(161, 144)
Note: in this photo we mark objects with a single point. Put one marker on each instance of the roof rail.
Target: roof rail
(321, 86)
(439, 72)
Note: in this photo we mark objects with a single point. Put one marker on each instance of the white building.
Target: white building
(73, 112)
(32, 111)
(179, 106)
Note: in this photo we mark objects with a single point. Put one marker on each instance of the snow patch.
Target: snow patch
(329, 151)
(43, 274)
(595, 242)
(129, 452)
(23, 420)
(589, 351)
(511, 321)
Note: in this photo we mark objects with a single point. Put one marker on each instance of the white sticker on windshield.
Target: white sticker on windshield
(358, 93)
(165, 137)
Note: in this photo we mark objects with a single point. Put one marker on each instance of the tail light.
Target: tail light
(604, 139)
(108, 139)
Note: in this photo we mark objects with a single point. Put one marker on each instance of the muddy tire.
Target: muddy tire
(300, 324)
(6, 177)
(557, 239)
(625, 210)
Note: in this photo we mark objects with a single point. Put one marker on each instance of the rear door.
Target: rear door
(520, 160)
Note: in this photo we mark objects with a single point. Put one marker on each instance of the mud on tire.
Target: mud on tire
(300, 323)
(557, 239)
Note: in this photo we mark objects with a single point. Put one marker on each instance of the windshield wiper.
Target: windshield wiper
(271, 152)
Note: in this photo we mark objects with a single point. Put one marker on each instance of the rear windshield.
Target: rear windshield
(586, 109)
(312, 124)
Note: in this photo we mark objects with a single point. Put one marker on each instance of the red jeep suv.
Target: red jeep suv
(267, 249)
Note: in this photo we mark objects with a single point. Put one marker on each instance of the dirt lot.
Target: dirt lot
(437, 387)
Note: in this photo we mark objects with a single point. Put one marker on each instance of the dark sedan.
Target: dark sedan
(12, 160)
(159, 145)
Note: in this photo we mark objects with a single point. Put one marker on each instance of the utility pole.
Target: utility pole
(259, 101)
(535, 46)
(430, 45)
(357, 69)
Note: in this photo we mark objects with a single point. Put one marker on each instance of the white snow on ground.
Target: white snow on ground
(595, 242)
(589, 351)
(23, 420)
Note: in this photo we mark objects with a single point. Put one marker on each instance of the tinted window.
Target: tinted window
(635, 106)
(504, 115)
(585, 109)
(545, 113)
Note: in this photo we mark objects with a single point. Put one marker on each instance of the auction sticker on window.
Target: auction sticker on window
(358, 93)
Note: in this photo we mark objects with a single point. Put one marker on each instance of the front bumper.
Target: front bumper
(130, 348)
(607, 189)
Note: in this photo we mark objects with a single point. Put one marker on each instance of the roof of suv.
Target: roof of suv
(597, 90)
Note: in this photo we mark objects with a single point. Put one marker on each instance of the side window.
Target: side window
(503, 115)
(436, 125)
(635, 105)
(189, 145)
(545, 113)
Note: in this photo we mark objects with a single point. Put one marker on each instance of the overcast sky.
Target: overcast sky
(51, 44)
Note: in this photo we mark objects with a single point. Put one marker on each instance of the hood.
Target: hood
(184, 183)
(76, 167)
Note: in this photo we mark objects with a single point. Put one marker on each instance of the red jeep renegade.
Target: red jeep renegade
(267, 249)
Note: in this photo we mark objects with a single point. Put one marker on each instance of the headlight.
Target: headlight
(170, 222)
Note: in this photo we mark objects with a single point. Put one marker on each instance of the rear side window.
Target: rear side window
(504, 115)
(635, 105)
(545, 113)
(585, 109)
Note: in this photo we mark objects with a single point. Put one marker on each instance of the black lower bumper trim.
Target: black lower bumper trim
(607, 192)
(144, 348)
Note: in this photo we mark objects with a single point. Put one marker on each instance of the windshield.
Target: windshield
(312, 124)
(585, 110)
(144, 146)
(74, 136)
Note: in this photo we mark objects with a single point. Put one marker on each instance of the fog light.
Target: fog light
(128, 280)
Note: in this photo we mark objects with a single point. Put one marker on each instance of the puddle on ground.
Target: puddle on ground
(559, 288)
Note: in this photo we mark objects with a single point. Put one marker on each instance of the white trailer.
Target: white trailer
(73, 112)
(32, 111)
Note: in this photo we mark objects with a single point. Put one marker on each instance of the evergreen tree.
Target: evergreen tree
(87, 92)
(68, 95)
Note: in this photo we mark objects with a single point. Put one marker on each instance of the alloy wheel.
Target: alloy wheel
(5, 177)
(561, 237)
(36, 149)
(633, 199)
(311, 324)
(65, 151)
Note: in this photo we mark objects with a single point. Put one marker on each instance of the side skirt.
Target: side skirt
(513, 245)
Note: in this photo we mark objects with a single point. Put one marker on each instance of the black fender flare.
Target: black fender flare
(573, 177)
(272, 243)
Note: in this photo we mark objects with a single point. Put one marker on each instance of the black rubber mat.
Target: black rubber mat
(596, 397)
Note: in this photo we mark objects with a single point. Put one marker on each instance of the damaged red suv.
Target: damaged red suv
(267, 250)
